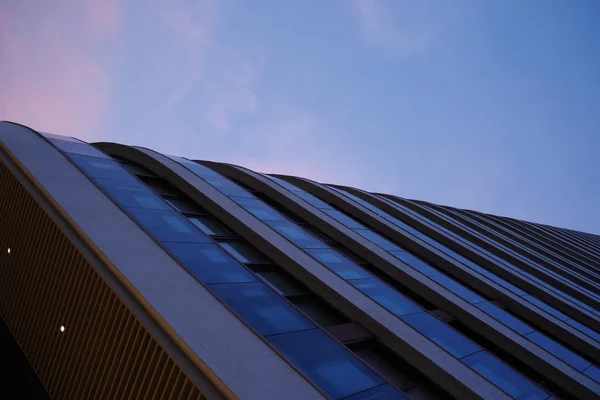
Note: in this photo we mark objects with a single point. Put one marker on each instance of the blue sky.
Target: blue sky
(490, 105)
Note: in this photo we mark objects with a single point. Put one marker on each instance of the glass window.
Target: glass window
(389, 298)
(168, 226)
(283, 284)
(209, 226)
(377, 239)
(344, 219)
(579, 326)
(244, 253)
(297, 235)
(593, 372)
(132, 194)
(258, 305)
(457, 289)
(442, 334)
(319, 311)
(505, 317)
(210, 263)
(259, 209)
(84, 149)
(136, 169)
(546, 307)
(102, 168)
(506, 285)
(503, 376)
(313, 200)
(327, 363)
(160, 186)
(559, 350)
(184, 205)
(339, 264)
(229, 188)
(383, 392)
(384, 361)
(415, 262)
(196, 168)
(283, 183)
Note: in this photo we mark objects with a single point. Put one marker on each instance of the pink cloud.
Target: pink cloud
(104, 17)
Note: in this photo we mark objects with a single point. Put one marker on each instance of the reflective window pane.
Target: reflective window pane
(69, 146)
(210, 263)
(168, 226)
(559, 350)
(259, 209)
(297, 235)
(457, 289)
(546, 307)
(505, 317)
(283, 284)
(243, 252)
(327, 363)
(442, 334)
(258, 305)
(505, 377)
(132, 194)
(377, 239)
(389, 298)
(319, 311)
(101, 168)
(313, 200)
(196, 168)
(383, 392)
(593, 372)
(209, 226)
(506, 285)
(184, 205)
(283, 183)
(339, 264)
(344, 219)
(229, 188)
(579, 326)
(415, 262)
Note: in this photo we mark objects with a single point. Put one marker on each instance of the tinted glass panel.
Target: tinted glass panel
(546, 307)
(344, 219)
(457, 288)
(442, 334)
(559, 350)
(168, 226)
(210, 263)
(265, 311)
(229, 188)
(590, 332)
(383, 392)
(319, 311)
(339, 264)
(506, 285)
(283, 183)
(415, 262)
(395, 302)
(504, 377)
(505, 317)
(101, 168)
(297, 235)
(78, 148)
(309, 198)
(333, 368)
(283, 283)
(244, 253)
(183, 205)
(259, 209)
(196, 168)
(209, 226)
(377, 239)
(593, 372)
(132, 194)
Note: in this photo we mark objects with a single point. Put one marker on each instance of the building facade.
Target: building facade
(126, 273)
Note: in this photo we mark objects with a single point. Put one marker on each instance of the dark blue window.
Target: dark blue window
(457, 289)
(383, 392)
(505, 377)
(229, 188)
(339, 264)
(593, 372)
(344, 219)
(210, 263)
(504, 317)
(78, 148)
(196, 168)
(546, 307)
(559, 350)
(377, 239)
(309, 198)
(443, 335)
(579, 326)
(327, 363)
(415, 262)
(168, 226)
(132, 194)
(283, 183)
(259, 209)
(258, 305)
(297, 235)
(102, 168)
(389, 298)
(506, 284)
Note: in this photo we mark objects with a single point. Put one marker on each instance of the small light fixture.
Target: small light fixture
(8, 250)
(62, 328)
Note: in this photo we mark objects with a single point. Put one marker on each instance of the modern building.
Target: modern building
(126, 273)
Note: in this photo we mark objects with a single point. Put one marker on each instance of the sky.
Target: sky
(488, 105)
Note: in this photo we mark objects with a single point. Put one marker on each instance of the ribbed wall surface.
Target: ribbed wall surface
(45, 283)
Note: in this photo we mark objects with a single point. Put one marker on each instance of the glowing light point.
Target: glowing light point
(8, 250)
(62, 328)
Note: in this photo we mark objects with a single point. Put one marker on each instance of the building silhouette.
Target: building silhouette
(126, 273)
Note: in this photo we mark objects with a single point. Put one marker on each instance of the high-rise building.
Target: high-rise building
(126, 273)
